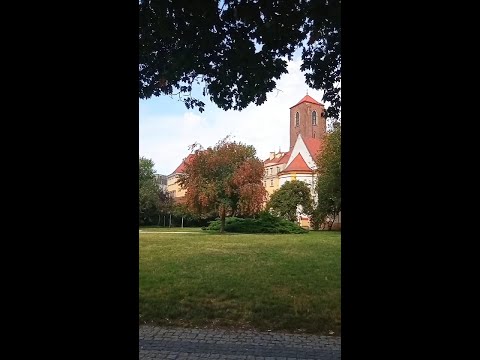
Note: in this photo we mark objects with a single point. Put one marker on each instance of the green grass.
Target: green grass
(167, 229)
(261, 281)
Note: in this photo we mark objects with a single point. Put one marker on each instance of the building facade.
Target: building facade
(161, 181)
(307, 118)
(173, 188)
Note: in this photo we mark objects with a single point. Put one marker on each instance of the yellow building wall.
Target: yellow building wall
(173, 187)
(271, 181)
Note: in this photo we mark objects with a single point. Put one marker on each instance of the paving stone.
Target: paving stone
(193, 344)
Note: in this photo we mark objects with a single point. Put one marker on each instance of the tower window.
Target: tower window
(314, 135)
(314, 118)
(297, 119)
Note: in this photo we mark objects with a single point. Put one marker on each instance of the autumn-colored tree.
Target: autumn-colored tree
(226, 178)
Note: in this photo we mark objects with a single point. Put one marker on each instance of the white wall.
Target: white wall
(301, 148)
(306, 178)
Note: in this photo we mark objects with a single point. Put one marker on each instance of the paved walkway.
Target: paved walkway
(179, 343)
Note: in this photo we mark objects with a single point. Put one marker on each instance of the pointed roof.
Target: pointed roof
(308, 99)
(314, 146)
(181, 168)
(298, 164)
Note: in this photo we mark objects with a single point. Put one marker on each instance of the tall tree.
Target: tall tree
(152, 199)
(145, 170)
(237, 48)
(285, 201)
(226, 178)
(329, 186)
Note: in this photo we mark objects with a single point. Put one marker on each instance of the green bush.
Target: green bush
(266, 223)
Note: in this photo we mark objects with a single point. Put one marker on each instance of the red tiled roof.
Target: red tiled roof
(181, 168)
(284, 158)
(298, 164)
(309, 99)
(281, 160)
(313, 146)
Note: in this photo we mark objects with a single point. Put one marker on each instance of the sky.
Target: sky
(167, 127)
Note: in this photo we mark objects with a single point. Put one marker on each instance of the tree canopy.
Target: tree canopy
(152, 200)
(329, 187)
(237, 49)
(285, 201)
(226, 178)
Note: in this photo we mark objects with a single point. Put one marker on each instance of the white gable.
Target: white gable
(301, 148)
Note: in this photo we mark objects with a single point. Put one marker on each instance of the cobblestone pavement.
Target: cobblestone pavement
(179, 343)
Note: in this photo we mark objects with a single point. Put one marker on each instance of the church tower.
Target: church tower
(307, 117)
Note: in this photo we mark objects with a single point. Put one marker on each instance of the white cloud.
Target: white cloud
(165, 138)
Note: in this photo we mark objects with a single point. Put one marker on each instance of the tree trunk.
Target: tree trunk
(331, 223)
(222, 218)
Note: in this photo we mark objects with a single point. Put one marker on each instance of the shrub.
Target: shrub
(266, 223)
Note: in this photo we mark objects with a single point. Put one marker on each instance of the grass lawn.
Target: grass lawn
(167, 229)
(261, 281)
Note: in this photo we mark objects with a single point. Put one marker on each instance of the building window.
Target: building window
(271, 171)
(271, 182)
(314, 135)
(278, 169)
(297, 119)
(314, 118)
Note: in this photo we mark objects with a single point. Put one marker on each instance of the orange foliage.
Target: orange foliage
(228, 176)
